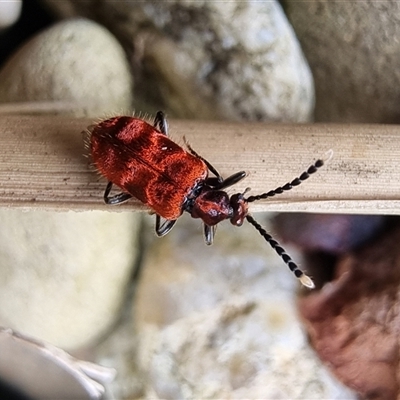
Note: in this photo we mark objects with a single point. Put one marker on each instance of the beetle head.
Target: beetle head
(240, 208)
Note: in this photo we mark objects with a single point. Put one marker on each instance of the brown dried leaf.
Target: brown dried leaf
(354, 321)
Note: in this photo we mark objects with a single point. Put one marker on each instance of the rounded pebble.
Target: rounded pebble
(76, 61)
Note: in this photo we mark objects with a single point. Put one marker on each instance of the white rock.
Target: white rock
(75, 61)
(64, 276)
(218, 322)
(9, 12)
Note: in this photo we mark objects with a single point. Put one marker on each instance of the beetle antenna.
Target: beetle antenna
(296, 181)
(304, 279)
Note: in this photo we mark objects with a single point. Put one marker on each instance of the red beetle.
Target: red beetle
(142, 161)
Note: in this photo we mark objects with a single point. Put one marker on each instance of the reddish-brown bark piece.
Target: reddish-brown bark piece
(354, 321)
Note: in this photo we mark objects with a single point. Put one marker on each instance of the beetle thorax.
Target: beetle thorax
(214, 206)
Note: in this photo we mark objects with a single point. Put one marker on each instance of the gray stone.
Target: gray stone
(210, 59)
(353, 49)
(75, 61)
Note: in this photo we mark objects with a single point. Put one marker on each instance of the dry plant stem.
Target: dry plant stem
(39, 107)
(42, 164)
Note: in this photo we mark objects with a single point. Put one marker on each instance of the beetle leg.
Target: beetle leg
(160, 122)
(218, 182)
(117, 199)
(231, 180)
(165, 227)
(209, 165)
(209, 232)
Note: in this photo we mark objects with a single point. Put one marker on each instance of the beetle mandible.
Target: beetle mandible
(144, 163)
